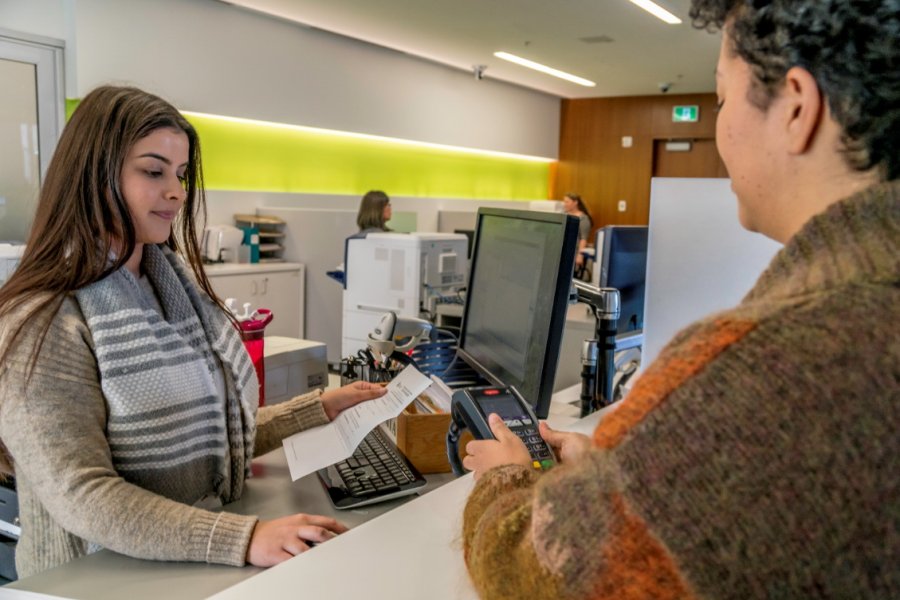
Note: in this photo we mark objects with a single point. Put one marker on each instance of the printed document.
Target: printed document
(322, 446)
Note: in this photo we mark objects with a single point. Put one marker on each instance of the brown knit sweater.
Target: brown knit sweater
(71, 500)
(757, 457)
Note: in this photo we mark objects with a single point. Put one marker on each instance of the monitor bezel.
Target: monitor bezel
(559, 308)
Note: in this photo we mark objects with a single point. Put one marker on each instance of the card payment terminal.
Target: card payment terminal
(470, 408)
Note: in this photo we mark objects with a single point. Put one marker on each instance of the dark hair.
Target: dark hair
(371, 210)
(581, 205)
(82, 215)
(848, 46)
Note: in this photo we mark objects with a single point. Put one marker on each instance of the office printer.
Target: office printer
(408, 274)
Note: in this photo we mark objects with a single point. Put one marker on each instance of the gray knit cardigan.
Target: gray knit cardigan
(71, 499)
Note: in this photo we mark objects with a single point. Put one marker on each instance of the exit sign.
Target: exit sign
(685, 114)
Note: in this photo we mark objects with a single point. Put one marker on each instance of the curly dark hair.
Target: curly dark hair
(850, 48)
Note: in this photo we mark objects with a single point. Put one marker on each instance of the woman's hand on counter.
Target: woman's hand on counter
(334, 401)
(275, 541)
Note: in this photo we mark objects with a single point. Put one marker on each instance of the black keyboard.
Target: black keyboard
(376, 472)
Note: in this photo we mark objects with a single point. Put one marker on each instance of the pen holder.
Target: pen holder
(355, 369)
(252, 332)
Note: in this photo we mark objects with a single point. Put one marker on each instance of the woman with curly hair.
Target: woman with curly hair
(757, 457)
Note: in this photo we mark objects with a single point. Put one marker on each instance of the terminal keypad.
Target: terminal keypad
(526, 430)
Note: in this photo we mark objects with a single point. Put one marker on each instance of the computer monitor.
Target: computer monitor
(519, 281)
(622, 264)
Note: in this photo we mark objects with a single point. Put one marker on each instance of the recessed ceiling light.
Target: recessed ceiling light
(657, 11)
(544, 69)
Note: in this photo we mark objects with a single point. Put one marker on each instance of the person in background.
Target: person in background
(374, 213)
(757, 457)
(574, 205)
(128, 405)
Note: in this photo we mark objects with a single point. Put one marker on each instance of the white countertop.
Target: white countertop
(404, 549)
(249, 268)
(410, 553)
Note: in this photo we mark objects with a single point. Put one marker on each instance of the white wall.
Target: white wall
(208, 56)
(48, 18)
(427, 210)
(222, 205)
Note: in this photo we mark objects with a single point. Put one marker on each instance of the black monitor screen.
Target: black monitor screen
(623, 265)
(519, 281)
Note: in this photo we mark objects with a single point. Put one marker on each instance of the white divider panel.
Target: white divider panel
(700, 259)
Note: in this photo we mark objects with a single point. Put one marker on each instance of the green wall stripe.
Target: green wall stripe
(251, 156)
(71, 104)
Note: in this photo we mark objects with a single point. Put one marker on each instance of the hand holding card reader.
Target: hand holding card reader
(470, 408)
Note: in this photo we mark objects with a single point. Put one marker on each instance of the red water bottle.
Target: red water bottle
(252, 330)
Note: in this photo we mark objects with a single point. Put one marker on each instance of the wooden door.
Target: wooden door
(702, 160)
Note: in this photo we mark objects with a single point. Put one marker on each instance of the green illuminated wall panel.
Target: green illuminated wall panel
(253, 156)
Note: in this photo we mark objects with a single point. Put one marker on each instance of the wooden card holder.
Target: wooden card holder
(422, 437)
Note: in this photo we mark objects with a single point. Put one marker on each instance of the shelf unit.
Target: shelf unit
(271, 235)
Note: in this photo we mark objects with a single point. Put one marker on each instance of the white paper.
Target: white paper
(319, 447)
(440, 394)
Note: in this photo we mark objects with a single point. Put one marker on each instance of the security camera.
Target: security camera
(479, 70)
(664, 86)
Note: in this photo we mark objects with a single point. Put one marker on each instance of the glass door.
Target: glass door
(32, 113)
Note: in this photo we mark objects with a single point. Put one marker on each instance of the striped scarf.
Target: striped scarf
(169, 429)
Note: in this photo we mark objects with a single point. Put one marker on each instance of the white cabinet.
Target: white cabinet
(277, 286)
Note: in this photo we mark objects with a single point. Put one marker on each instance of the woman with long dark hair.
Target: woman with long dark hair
(574, 205)
(128, 405)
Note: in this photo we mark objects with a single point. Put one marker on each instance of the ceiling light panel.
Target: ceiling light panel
(544, 69)
(657, 11)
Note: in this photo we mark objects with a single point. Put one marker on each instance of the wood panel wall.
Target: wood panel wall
(593, 163)
(702, 160)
